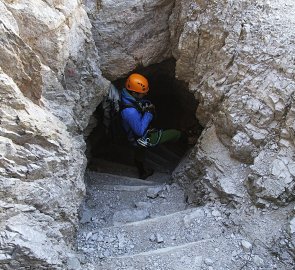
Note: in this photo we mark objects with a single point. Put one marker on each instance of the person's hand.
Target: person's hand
(150, 108)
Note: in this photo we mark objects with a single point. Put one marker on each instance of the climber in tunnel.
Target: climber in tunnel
(137, 116)
(150, 115)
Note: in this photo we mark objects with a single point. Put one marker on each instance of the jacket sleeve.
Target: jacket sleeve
(138, 123)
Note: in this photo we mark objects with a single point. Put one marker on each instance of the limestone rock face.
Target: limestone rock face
(60, 35)
(130, 33)
(50, 84)
(20, 61)
(238, 60)
(41, 179)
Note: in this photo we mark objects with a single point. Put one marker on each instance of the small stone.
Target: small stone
(292, 226)
(86, 217)
(154, 192)
(216, 213)
(167, 188)
(208, 262)
(153, 238)
(198, 262)
(73, 264)
(88, 236)
(258, 261)
(159, 238)
(121, 240)
(234, 253)
(246, 245)
(101, 256)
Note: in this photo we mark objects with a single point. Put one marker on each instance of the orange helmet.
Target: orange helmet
(137, 83)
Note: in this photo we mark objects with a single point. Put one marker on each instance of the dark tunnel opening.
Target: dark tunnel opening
(175, 109)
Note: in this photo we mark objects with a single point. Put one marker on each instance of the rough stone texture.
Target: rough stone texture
(60, 34)
(130, 33)
(50, 84)
(37, 155)
(237, 56)
(21, 63)
(238, 60)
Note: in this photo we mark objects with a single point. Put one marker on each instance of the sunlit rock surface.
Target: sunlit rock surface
(237, 56)
(50, 84)
(130, 33)
(238, 59)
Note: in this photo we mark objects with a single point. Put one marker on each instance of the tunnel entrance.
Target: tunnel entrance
(175, 109)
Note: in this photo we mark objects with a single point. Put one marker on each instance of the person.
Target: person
(137, 114)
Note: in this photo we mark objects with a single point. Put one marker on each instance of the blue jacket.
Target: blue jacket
(135, 122)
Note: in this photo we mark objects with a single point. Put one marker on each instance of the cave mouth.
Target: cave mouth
(175, 109)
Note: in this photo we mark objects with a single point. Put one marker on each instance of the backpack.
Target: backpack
(112, 116)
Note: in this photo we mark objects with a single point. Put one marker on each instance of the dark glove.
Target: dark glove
(150, 108)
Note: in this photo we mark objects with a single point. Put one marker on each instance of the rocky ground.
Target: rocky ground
(128, 223)
(57, 58)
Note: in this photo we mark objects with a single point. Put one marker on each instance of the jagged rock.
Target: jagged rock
(20, 62)
(42, 158)
(159, 238)
(292, 226)
(208, 262)
(130, 33)
(245, 86)
(60, 35)
(236, 57)
(258, 261)
(247, 246)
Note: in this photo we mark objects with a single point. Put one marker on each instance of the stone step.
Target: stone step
(217, 253)
(97, 178)
(161, 175)
(104, 203)
(116, 168)
(164, 231)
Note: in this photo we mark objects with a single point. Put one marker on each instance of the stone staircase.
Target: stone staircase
(133, 224)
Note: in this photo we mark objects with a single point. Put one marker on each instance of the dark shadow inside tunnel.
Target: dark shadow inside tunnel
(175, 109)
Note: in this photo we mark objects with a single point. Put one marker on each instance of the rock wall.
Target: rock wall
(130, 33)
(50, 84)
(237, 57)
(239, 61)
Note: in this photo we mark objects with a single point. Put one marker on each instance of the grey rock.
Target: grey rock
(73, 264)
(154, 192)
(247, 246)
(143, 204)
(130, 215)
(292, 226)
(119, 55)
(159, 238)
(208, 262)
(258, 261)
(153, 238)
